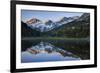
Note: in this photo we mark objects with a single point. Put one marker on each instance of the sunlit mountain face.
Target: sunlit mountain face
(37, 24)
(47, 52)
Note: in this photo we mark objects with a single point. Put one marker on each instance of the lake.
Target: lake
(54, 50)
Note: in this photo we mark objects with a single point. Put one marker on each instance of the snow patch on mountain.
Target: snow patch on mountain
(37, 24)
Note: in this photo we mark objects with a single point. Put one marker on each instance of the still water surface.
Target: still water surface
(44, 51)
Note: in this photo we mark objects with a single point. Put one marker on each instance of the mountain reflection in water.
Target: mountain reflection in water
(44, 52)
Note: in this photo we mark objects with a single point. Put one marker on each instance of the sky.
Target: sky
(46, 15)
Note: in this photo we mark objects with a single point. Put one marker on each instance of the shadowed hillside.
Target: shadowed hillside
(27, 31)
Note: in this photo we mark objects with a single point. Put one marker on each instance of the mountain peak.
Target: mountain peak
(48, 22)
(75, 17)
(65, 18)
(32, 21)
(84, 16)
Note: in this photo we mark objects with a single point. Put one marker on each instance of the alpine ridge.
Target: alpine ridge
(37, 24)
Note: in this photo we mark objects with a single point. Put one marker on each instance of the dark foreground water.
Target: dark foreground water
(44, 51)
